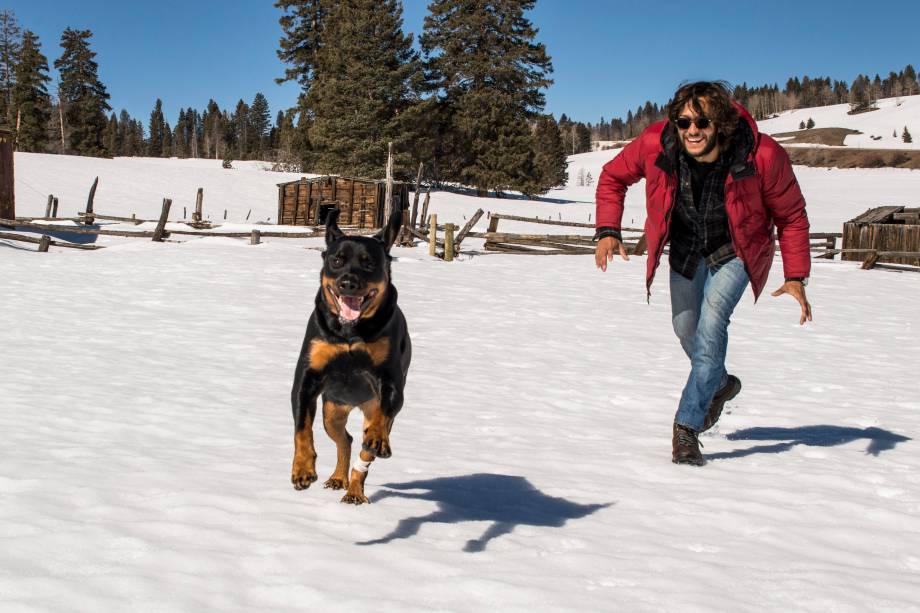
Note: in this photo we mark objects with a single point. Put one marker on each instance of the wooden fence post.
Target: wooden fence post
(449, 242)
(871, 259)
(418, 186)
(89, 218)
(160, 233)
(7, 185)
(48, 207)
(54, 207)
(255, 238)
(641, 245)
(44, 243)
(199, 200)
(388, 197)
(432, 234)
(425, 205)
(469, 226)
(830, 245)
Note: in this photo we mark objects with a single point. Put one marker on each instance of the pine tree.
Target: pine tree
(488, 75)
(549, 156)
(82, 94)
(302, 23)
(30, 96)
(10, 45)
(361, 84)
(259, 124)
(241, 130)
(180, 136)
(801, 125)
(906, 137)
(156, 129)
(810, 124)
(126, 134)
(112, 136)
(582, 138)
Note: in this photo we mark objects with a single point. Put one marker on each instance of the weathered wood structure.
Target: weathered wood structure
(362, 201)
(883, 229)
(7, 193)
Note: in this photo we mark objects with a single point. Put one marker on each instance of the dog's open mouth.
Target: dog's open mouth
(351, 307)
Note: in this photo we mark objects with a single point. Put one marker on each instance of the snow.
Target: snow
(148, 437)
(892, 116)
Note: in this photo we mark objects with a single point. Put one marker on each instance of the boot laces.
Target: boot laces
(686, 436)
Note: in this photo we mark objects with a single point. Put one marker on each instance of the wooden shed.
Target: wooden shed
(305, 202)
(884, 228)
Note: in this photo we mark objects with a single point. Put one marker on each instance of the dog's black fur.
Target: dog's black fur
(356, 353)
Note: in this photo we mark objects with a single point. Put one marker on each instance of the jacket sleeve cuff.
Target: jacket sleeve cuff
(607, 231)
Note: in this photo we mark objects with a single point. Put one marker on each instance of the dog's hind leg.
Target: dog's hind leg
(303, 404)
(335, 418)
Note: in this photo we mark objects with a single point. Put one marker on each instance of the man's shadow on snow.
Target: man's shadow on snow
(504, 500)
(812, 436)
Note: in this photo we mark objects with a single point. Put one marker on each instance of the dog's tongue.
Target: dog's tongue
(350, 307)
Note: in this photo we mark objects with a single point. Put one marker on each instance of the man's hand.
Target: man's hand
(605, 249)
(797, 291)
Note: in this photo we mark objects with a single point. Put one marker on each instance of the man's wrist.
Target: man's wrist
(605, 231)
(802, 280)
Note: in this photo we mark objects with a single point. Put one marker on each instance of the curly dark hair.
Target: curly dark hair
(718, 100)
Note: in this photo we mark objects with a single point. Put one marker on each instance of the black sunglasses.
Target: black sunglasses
(701, 122)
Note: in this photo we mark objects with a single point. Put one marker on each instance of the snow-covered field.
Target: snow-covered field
(148, 438)
(888, 122)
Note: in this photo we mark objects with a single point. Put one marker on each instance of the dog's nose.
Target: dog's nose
(347, 283)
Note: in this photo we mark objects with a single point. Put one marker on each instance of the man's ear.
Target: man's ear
(332, 226)
(388, 234)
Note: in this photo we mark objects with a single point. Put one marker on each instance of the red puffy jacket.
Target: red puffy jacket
(759, 193)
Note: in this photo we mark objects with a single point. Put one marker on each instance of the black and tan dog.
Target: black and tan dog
(356, 354)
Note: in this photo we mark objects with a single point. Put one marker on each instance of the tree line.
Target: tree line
(469, 104)
(763, 102)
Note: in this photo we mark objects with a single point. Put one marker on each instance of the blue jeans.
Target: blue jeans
(701, 310)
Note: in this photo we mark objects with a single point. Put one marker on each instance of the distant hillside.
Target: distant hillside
(878, 129)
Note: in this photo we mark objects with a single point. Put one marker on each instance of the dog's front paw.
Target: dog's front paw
(379, 445)
(302, 479)
(355, 499)
(335, 483)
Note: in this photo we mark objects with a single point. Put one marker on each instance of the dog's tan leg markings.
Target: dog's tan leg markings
(377, 428)
(335, 418)
(355, 492)
(303, 472)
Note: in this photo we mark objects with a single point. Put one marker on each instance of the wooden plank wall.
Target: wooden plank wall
(361, 202)
(883, 237)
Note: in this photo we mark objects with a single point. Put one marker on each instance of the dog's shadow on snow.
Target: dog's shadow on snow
(813, 436)
(506, 501)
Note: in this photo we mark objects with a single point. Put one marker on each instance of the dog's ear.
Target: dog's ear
(332, 226)
(390, 231)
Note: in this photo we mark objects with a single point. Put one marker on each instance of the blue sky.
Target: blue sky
(609, 56)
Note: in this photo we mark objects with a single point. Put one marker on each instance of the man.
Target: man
(715, 188)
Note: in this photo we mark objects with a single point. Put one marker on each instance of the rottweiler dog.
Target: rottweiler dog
(356, 353)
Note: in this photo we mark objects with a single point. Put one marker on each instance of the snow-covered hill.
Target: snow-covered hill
(887, 122)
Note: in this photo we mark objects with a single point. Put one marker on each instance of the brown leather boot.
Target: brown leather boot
(685, 446)
(729, 391)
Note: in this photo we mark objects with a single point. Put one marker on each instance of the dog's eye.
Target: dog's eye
(338, 261)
